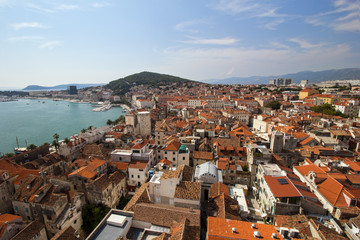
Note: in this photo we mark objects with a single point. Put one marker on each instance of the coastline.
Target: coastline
(37, 122)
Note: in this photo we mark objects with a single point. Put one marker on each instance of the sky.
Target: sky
(51, 42)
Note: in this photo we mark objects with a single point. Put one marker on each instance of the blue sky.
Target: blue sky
(53, 42)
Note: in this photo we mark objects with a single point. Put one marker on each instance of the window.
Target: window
(120, 158)
(157, 190)
(171, 201)
(173, 159)
(157, 199)
(26, 210)
(16, 208)
(173, 153)
(171, 183)
(132, 176)
(138, 176)
(165, 152)
(183, 158)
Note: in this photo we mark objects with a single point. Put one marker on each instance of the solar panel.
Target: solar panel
(282, 181)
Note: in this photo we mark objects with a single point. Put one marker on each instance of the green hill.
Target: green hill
(123, 85)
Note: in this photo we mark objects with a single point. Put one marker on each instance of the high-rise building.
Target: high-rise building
(272, 81)
(284, 81)
(304, 83)
(72, 90)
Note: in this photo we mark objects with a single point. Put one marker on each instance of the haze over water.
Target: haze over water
(36, 122)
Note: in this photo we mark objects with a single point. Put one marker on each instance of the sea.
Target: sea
(34, 121)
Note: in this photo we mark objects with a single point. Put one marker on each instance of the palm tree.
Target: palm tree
(31, 147)
(90, 127)
(109, 122)
(56, 141)
(55, 144)
(66, 140)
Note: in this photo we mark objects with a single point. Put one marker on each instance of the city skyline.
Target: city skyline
(58, 42)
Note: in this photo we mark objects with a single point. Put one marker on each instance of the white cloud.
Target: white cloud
(351, 26)
(212, 41)
(348, 21)
(24, 38)
(272, 25)
(100, 4)
(279, 45)
(236, 6)
(40, 9)
(305, 44)
(215, 62)
(18, 26)
(253, 9)
(190, 26)
(50, 44)
(67, 7)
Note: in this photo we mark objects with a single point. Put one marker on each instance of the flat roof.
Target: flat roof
(117, 223)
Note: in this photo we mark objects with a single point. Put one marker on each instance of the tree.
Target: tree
(274, 105)
(92, 216)
(66, 140)
(122, 202)
(328, 109)
(31, 147)
(56, 140)
(9, 155)
(89, 127)
(55, 144)
(109, 122)
(83, 130)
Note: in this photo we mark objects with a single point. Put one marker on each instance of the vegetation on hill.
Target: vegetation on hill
(123, 85)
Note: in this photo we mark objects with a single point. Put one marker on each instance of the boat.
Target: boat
(19, 150)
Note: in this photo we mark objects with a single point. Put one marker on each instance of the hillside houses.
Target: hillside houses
(199, 161)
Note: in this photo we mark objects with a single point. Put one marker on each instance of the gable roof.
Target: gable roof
(165, 215)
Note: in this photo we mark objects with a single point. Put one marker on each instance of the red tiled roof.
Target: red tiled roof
(138, 164)
(281, 190)
(219, 228)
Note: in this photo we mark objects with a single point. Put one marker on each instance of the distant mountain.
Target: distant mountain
(123, 85)
(313, 77)
(60, 87)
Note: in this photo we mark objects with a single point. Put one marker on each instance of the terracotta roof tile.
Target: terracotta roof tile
(165, 215)
(188, 190)
(281, 190)
(219, 228)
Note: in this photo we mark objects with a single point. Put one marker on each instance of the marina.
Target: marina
(36, 122)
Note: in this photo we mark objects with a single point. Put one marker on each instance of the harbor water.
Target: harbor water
(34, 121)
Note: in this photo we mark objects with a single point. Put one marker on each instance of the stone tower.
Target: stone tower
(144, 122)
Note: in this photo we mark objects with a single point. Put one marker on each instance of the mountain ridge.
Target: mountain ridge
(60, 87)
(122, 85)
(312, 76)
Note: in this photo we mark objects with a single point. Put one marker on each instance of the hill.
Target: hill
(313, 77)
(123, 85)
(59, 87)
